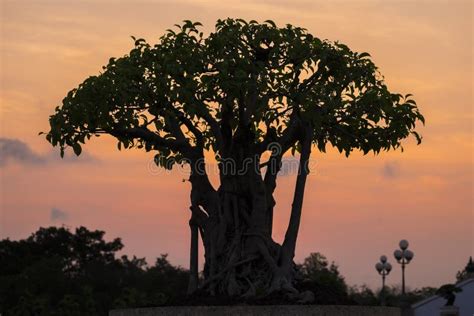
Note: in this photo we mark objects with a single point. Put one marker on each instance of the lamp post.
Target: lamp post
(383, 268)
(403, 256)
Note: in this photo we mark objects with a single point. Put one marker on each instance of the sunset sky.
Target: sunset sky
(355, 209)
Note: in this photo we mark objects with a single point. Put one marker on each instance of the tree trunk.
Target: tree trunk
(193, 258)
(235, 222)
(291, 235)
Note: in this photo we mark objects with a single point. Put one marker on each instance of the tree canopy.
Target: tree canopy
(190, 92)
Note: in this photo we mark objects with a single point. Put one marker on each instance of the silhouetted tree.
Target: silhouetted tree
(323, 279)
(363, 295)
(244, 90)
(393, 295)
(59, 272)
(467, 272)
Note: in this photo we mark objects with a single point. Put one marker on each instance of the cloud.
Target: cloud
(58, 215)
(17, 151)
(391, 170)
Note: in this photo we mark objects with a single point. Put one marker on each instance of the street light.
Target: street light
(403, 256)
(383, 268)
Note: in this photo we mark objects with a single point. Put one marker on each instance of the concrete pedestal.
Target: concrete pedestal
(449, 311)
(270, 310)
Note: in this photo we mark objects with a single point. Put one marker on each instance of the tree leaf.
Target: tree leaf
(77, 149)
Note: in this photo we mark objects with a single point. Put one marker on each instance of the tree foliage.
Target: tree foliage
(59, 272)
(467, 272)
(172, 96)
(324, 280)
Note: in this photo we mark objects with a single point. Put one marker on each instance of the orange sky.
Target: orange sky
(355, 209)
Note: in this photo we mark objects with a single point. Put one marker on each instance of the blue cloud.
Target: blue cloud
(58, 215)
(391, 170)
(16, 151)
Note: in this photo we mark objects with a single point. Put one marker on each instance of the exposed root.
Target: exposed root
(252, 291)
(220, 275)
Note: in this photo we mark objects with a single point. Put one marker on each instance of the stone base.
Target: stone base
(262, 310)
(449, 311)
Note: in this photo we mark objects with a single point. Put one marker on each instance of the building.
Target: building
(464, 300)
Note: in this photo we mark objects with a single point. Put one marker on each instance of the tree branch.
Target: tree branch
(151, 137)
(289, 243)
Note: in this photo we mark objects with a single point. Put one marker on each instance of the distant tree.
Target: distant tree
(323, 279)
(363, 295)
(59, 272)
(467, 272)
(52, 268)
(246, 90)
